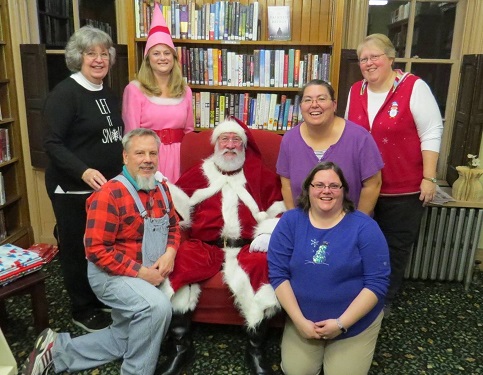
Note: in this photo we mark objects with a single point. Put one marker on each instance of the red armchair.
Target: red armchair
(216, 303)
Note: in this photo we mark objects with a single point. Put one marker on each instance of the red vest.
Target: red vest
(395, 133)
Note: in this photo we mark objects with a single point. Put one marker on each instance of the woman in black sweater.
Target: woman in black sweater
(83, 142)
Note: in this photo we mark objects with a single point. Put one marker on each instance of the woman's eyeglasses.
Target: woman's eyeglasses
(94, 55)
(331, 187)
(320, 100)
(364, 60)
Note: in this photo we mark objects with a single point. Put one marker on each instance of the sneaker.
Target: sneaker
(40, 359)
(95, 322)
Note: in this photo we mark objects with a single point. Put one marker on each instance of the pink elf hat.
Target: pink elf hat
(159, 32)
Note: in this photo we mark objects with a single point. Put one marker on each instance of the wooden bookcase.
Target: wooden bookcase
(15, 209)
(316, 28)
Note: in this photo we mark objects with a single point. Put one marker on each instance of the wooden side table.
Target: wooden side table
(33, 284)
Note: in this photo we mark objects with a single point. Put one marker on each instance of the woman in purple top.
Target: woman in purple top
(323, 136)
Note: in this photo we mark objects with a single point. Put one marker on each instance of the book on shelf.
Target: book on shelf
(271, 111)
(278, 22)
(286, 110)
(4, 146)
(283, 100)
(183, 20)
(3, 226)
(3, 198)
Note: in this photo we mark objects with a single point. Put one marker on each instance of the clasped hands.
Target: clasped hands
(160, 270)
(323, 330)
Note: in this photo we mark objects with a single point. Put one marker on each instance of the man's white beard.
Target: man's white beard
(146, 183)
(228, 165)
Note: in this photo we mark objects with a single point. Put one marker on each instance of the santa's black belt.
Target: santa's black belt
(230, 242)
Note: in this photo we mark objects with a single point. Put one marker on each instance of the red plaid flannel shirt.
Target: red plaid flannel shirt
(114, 231)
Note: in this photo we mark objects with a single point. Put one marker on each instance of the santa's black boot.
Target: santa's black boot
(255, 353)
(181, 351)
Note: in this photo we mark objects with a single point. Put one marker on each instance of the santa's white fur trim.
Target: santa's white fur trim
(228, 126)
(166, 288)
(186, 298)
(181, 204)
(276, 209)
(266, 226)
(253, 306)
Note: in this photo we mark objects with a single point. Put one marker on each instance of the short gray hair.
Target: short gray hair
(381, 41)
(139, 132)
(84, 39)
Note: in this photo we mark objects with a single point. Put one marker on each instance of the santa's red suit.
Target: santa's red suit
(214, 205)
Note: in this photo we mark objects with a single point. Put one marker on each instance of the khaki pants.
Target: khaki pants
(330, 357)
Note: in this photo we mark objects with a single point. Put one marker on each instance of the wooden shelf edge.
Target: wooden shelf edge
(244, 88)
(11, 161)
(10, 201)
(16, 234)
(7, 120)
(261, 43)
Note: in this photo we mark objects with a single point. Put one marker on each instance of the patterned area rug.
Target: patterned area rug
(434, 328)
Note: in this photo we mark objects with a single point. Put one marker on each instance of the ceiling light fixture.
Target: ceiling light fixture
(377, 2)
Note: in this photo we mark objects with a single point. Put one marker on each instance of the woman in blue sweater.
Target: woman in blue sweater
(329, 266)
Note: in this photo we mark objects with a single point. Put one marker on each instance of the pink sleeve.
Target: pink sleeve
(131, 107)
(190, 125)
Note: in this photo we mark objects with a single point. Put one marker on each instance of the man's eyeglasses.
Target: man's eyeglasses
(364, 60)
(320, 100)
(237, 141)
(331, 187)
(94, 55)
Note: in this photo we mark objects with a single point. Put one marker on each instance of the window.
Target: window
(422, 33)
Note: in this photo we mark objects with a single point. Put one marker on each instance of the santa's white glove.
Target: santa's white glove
(260, 243)
(160, 177)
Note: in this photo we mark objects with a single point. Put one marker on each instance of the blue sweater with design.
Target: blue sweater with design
(327, 268)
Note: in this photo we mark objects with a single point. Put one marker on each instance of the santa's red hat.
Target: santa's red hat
(233, 125)
(158, 32)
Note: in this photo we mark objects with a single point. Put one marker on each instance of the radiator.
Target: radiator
(446, 245)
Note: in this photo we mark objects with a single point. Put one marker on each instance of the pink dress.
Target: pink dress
(150, 112)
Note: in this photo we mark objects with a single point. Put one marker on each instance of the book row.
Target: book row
(104, 26)
(222, 20)
(4, 146)
(263, 68)
(55, 7)
(263, 111)
(56, 31)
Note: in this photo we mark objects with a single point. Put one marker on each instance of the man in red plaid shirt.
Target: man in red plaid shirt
(131, 240)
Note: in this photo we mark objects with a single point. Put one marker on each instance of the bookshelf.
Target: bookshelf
(14, 209)
(59, 18)
(316, 30)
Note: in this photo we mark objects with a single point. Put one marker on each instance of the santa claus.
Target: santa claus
(230, 202)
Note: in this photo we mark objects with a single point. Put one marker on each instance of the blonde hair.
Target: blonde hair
(381, 41)
(176, 83)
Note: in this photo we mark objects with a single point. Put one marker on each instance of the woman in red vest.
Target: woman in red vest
(402, 115)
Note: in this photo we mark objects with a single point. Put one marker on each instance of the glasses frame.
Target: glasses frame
(319, 101)
(331, 187)
(237, 141)
(95, 55)
(373, 58)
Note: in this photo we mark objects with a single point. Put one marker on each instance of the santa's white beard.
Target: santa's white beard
(146, 183)
(231, 164)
